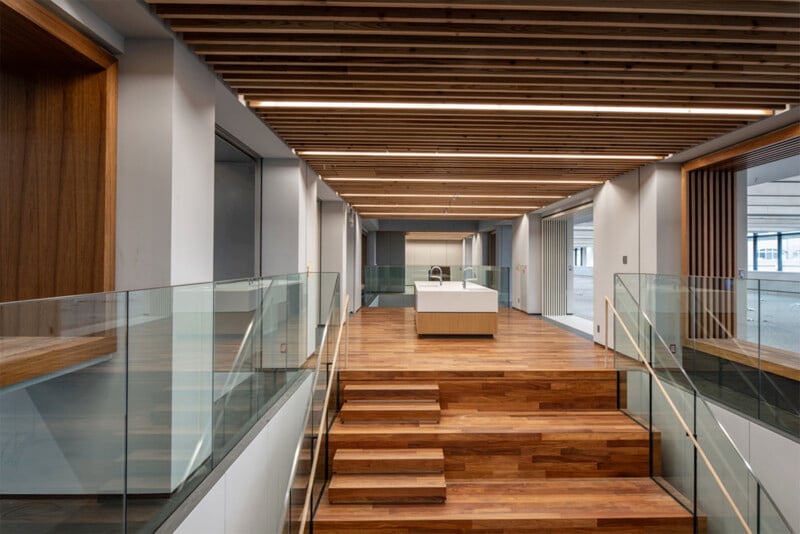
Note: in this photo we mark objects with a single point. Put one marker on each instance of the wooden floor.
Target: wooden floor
(529, 428)
(626, 506)
(385, 339)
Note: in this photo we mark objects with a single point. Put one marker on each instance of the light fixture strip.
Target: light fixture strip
(444, 195)
(487, 155)
(445, 206)
(465, 181)
(510, 108)
(424, 214)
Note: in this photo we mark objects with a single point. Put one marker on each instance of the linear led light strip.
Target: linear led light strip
(438, 195)
(511, 107)
(423, 214)
(362, 153)
(464, 181)
(528, 208)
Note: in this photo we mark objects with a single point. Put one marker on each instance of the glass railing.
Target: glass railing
(393, 285)
(115, 406)
(692, 456)
(307, 479)
(737, 339)
(311, 470)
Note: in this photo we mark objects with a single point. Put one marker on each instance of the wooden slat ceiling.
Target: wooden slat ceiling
(662, 53)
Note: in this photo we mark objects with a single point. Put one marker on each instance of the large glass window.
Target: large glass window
(773, 216)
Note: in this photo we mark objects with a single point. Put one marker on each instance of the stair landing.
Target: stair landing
(618, 505)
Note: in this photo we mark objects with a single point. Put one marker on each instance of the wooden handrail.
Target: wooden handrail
(323, 418)
(681, 420)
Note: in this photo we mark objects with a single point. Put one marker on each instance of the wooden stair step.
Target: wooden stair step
(362, 461)
(384, 392)
(391, 412)
(387, 489)
(610, 505)
(575, 444)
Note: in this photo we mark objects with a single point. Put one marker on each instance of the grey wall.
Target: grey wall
(390, 248)
(234, 220)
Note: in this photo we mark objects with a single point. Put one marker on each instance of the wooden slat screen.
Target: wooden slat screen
(711, 251)
(554, 266)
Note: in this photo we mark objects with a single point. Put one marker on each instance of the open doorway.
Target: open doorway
(568, 269)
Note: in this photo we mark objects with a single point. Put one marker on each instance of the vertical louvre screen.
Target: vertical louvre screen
(554, 264)
(711, 251)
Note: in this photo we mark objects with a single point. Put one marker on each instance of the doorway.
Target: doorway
(568, 269)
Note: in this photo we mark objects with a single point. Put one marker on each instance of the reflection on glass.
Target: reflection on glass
(62, 413)
(393, 285)
(696, 317)
(124, 402)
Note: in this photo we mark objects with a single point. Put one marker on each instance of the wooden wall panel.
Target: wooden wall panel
(58, 170)
(710, 250)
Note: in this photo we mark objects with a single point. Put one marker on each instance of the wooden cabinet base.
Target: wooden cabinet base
(457, 323)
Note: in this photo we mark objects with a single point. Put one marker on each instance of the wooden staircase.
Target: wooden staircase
(388, 475)
(532, 452)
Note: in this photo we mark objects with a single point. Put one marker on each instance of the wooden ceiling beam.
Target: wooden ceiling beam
(677, 53)
(481, 30)
(510, 66)
(521, 43)
(492, 75)
(749, 8)
(472, 16)
(507, 54)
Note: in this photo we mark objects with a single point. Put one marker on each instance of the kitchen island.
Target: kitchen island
(455, 308)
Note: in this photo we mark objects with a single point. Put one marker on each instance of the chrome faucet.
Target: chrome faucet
(434, 276)
(465, 279)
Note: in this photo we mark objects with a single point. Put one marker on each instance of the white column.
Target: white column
(165, 167)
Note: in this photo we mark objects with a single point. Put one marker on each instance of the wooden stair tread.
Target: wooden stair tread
(392, 387)
(389, 412)
(604, 505)
(377, 481)
(385, 454)
(396, 392)
(362, 461)
(391, 406)
(403, 489)
(547, 423)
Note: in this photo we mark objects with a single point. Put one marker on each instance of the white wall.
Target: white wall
(355, 298)
(165, 167)
(433, 252)
(281, 204)
(333, 250)
(192, 170)
(775, 460)
(520, 256)
(637, 216)
(144, 165)
(477, 249)
(250, 495)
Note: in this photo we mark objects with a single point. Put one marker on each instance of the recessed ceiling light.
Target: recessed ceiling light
(439, 195)
(464, 181)
(511, 107)
(492, 155)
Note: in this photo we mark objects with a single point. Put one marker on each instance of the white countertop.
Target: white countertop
(452, 297)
